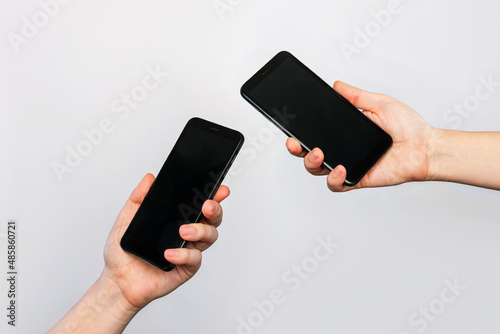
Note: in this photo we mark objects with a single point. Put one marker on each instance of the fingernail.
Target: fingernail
(313, 156)
(187, 230)
(171, 253)
(337, 171)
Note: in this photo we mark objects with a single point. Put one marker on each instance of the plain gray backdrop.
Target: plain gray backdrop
(398, 247)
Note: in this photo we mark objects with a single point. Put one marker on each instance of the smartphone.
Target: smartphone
(192, 173)
(306, 108)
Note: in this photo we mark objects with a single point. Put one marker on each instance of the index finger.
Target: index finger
(222, 193)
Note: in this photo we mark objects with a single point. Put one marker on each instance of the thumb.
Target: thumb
(134, 202)
(361, 99)
(142, 189)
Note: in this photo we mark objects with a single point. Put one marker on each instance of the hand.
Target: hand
(127, 284)
(141, 282)
(407, 159)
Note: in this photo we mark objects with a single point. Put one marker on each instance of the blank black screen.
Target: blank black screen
(188, 177)
(312, 112)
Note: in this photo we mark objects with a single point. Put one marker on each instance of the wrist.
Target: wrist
(103, 309)
(439, 151)
(416, 158)
(111, 296)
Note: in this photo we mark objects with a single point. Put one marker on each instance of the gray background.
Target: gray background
(398, 245)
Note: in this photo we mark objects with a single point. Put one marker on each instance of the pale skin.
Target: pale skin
(420, 152)
(127, 284)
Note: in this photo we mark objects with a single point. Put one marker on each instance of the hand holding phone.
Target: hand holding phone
(305, 108)
(407, 159)
(191, 174)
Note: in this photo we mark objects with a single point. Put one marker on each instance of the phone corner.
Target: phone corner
(352, 183)
(194, 119)
(283, 53)
(168, 268)
(241, 138)
(243, 89)
(123, 242)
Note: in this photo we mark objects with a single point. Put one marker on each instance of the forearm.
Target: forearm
(465, 157)
(101, 310)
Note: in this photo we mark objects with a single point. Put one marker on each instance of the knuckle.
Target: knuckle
(194, 256)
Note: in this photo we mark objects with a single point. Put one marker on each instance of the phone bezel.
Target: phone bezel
(356, 174)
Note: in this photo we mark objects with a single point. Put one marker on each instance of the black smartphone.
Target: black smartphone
(306, 108)
(192, 173)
